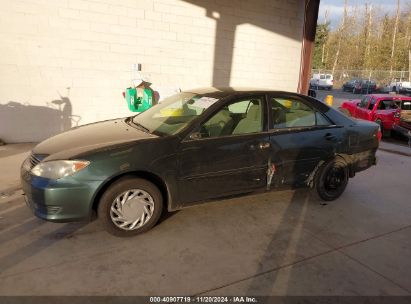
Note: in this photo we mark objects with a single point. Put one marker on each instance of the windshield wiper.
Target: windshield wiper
(139, 126)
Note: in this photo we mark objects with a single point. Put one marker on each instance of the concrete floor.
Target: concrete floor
(283, 243)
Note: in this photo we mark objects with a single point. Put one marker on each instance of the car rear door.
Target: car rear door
(386, 108)
(215, 163)
(301, 138)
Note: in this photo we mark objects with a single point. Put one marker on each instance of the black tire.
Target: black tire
(116, 189)
(331, 179)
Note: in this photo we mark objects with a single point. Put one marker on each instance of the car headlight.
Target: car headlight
(58, 168)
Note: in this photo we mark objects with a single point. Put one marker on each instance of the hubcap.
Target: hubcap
(335, 178)
(132, 209)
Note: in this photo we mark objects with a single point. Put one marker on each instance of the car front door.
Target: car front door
(227, 153)
(301, 139)
(362, 111)
(386, 109)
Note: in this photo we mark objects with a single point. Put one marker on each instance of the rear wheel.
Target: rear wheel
(130, 206)
(331, 179)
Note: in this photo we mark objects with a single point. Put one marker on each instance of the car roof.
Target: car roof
(221, 92)
(389, 96)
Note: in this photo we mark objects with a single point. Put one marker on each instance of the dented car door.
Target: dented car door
(301, 137)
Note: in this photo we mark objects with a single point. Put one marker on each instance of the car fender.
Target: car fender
(156, 179)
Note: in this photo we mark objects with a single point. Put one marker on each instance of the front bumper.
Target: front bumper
(63, 200)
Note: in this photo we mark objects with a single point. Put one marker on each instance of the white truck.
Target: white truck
(398, 86)
(322, 81)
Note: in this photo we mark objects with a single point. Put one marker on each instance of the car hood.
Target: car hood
(352, 101)
(87, 138)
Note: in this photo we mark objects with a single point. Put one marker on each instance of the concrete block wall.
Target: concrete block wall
(90, 46)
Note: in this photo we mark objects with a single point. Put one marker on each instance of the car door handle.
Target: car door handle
(329, 136)
(260, 146)
(264, 145)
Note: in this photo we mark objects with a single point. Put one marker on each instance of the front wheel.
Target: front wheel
(130, 206)
(331, 179)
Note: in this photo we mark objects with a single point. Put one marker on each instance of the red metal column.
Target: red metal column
(310, 23)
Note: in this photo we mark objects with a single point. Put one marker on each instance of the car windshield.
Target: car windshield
(173, 113)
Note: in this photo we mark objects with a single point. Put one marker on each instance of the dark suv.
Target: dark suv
(366, 86)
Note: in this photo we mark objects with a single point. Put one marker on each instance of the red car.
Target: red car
(380, 108)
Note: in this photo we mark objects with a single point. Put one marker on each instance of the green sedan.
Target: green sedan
(194, 147)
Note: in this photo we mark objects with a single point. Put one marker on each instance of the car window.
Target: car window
(372, 104)
(406, 105)
(239, 107)
(387, 105)
(173, 113)
(364, 102)
(240, 117)
(322, 76)
(289, 113)
(328, 76)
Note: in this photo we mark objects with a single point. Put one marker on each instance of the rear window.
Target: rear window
(328, 76)
(406, 105)
(322, 76)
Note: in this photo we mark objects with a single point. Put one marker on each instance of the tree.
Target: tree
(368, 38)
(397, 17)
(321, 37)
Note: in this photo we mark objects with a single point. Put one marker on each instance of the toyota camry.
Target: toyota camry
(193, 147)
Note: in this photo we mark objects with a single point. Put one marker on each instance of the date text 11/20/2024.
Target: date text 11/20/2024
(203, 299)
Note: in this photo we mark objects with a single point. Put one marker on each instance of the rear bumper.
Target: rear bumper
(58, 200)
(321, 86)
(362, 161)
